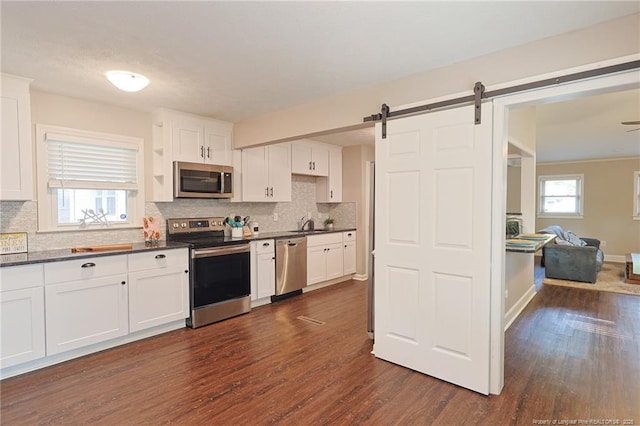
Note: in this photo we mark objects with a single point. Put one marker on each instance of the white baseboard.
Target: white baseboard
(360, 277)
(614, 258)
(515, 310)
(96, 347)
(326, 283)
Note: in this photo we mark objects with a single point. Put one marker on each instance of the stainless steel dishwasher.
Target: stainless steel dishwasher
(291, 265)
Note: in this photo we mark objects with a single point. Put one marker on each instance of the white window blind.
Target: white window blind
(72, 164)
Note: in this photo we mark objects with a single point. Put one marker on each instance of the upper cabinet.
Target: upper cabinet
(329, 189)
(16, 161)
(183, 137)
(202, 140)
(266, 173)
(309, 158)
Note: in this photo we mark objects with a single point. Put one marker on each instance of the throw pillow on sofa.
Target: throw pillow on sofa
(573, 239)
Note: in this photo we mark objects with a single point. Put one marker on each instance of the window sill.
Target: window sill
(559, 216)
(636, 217)
(88, 229)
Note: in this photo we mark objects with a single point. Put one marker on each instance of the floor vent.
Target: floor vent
(311, 320)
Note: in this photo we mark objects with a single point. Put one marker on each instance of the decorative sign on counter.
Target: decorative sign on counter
(13, 243)
(151, 229)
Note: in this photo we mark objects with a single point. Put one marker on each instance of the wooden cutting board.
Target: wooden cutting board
(102, 248)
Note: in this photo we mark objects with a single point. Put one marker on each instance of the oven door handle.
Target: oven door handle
(220, 251)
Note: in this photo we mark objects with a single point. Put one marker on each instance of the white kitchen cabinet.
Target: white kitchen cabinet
(86, 302)
(329, 189)
(21, 314)
(201, 140)
(179, 136)
(309, 158)
(324, 257)
(264, 265)
(266, 173)
(349, 243)
(158, 288)
(16, 161)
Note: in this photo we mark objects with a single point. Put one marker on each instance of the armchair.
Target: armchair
(565, 261)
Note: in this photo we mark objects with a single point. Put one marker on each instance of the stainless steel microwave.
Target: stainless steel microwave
(196, 180)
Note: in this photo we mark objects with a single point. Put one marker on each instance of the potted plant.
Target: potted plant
(328, 223)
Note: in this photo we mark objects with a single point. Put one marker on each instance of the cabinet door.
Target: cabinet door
(16, 162)
(349, 258)
(266, 275)
(254, 174)
(329, 189)
(22, 326)
(80, 313)
(218, 147)
(279, 166)
(334, 256)
(316, 264)
(157, 297)
(188, 140)
(301, 158)
(320, 161)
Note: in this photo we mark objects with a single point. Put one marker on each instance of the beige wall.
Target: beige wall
(513, 189)
(604, 41)
(354, 170)
(608, 203)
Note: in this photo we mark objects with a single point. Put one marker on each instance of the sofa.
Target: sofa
(571, 258)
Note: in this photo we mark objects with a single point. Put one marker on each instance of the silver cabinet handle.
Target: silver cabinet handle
(88, 265)
(265, 244)
(332, 193)
(208, 152)
(123, 282)
(160, 256)
(266, 191)
(202, 151)
(272, 191)
(314, 165)
(309, 165)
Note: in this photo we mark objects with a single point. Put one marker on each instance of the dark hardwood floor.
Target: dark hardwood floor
(571, 355)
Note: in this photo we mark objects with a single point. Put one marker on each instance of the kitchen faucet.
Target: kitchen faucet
(304, 223)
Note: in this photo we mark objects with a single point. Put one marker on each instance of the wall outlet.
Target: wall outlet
(603, 243)
(506, 294)
(275, 217)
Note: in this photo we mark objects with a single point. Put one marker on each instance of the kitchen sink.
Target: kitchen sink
(315, 231)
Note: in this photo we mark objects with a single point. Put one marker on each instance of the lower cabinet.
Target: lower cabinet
(158, 288)
(349, 242)
(324, 257)
(263, 267)
(83, 312)
(21, 314)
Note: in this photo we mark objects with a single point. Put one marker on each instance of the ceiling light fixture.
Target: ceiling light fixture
(127, 80)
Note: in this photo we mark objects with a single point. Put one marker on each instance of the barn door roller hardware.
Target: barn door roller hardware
(479, 93)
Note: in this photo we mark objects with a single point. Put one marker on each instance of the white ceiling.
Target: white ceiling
(235, 60)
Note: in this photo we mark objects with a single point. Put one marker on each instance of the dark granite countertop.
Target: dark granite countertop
(65, 254)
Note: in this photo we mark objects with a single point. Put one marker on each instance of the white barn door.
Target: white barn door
(433, 245)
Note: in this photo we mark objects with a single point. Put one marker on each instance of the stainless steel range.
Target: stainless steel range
(220, 282)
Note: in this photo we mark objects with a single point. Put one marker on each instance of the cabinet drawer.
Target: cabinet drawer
(83, 269)
(158, 259)
(265, 247)
(19, 277)
(324, 239)
(348, 236)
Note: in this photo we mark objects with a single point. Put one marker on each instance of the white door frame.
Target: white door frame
(607, 83)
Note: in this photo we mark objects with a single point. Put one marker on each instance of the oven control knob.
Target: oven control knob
(183, 225)
(175, 225)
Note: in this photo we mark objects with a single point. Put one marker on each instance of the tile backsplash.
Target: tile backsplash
(19, 216)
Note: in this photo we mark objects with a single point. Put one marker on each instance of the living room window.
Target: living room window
(88, 180)
(636, 195)
(560, 196)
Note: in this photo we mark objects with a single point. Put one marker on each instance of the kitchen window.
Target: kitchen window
(88, 180)
(560, 196)
(636, 195)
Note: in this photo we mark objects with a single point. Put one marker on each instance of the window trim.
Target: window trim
(556, 215)
(47, 201)
(636, 195)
